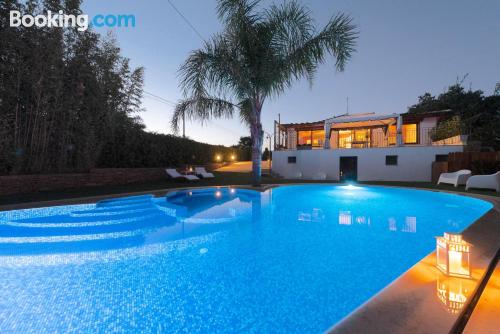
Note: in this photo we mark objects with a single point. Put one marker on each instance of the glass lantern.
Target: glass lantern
(453, 255)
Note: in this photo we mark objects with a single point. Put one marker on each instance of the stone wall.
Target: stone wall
(19, 184)
(23, 184)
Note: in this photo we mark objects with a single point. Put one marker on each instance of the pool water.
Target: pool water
(294, 259)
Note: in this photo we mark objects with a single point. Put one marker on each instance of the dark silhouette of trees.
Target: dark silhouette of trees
(69, 101)
(479, 115)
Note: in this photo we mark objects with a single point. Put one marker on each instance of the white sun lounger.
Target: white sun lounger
(200, 171)
(174, 174)
(319, 176)
(456, 178)
(491, 181)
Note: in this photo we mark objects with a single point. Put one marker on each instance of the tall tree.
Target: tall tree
(479, 115)
(257, 56)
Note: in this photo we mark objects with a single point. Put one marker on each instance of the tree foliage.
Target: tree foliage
(69, 101)
(259, 54)
(479, 115)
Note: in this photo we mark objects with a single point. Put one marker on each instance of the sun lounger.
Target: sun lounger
(174, 174)
(456, 178)
(491, 181)
(319, 176)
(200, 171)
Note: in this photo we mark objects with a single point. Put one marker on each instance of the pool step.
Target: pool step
(82, 240)
(115, 208)
(90, 217)
(157, 219)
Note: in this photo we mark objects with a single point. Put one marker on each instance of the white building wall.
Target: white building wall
(414, 162)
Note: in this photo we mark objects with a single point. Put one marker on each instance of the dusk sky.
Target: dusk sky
(405, 48)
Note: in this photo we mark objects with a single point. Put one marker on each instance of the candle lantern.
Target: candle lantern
(453, 255)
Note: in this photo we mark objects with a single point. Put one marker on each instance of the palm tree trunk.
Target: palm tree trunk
(257, 135)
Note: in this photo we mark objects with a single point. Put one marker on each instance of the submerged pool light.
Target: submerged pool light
(350, 186)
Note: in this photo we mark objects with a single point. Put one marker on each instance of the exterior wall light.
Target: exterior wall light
(218, 157)
(453, 255)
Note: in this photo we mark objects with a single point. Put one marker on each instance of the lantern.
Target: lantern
(453, 255)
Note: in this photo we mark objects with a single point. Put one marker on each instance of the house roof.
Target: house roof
(304, 125)
(367, 120)
(361, 118)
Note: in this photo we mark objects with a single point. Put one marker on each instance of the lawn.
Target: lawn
(221, 179)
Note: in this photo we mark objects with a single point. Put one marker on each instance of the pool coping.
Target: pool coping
(410, 302)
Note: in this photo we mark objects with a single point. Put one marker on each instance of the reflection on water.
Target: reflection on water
(217, 260)
(315, 216)
(345, 218)
(121, 223)
(409, 224)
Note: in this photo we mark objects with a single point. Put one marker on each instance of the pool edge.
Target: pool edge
(413, 298)
(364, 318)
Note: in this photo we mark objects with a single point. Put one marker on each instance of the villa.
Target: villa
(364, 147)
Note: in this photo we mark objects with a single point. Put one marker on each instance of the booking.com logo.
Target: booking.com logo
(61, 20)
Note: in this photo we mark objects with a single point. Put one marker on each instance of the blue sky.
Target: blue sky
(405, 48)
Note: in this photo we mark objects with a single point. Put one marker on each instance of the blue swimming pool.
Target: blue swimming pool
(291, 259)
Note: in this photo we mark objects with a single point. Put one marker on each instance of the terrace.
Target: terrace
(365, 131)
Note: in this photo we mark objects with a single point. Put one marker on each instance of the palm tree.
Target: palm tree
(257, 56)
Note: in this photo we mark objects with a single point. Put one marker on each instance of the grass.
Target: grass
(221, 179)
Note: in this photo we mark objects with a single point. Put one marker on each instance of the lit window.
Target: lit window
(314, 138)
(410, 133)
(392, 135)
(304, 138)
(345, 139)
(318, 137)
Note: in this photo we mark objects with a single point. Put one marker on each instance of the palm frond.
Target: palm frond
(201, 108)
(216, 69)
(235, 12)
(245, 108)
(338, 39)
(299, 49)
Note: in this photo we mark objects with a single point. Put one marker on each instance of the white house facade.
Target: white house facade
(364, 147)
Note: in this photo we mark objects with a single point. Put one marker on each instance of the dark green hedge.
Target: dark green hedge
(144, 149)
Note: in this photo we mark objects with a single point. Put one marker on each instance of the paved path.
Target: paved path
(242, 167)
(485, 318)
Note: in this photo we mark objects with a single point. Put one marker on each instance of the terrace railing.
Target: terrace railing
(421, 136)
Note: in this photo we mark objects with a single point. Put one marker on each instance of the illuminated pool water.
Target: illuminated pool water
(292, 259)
